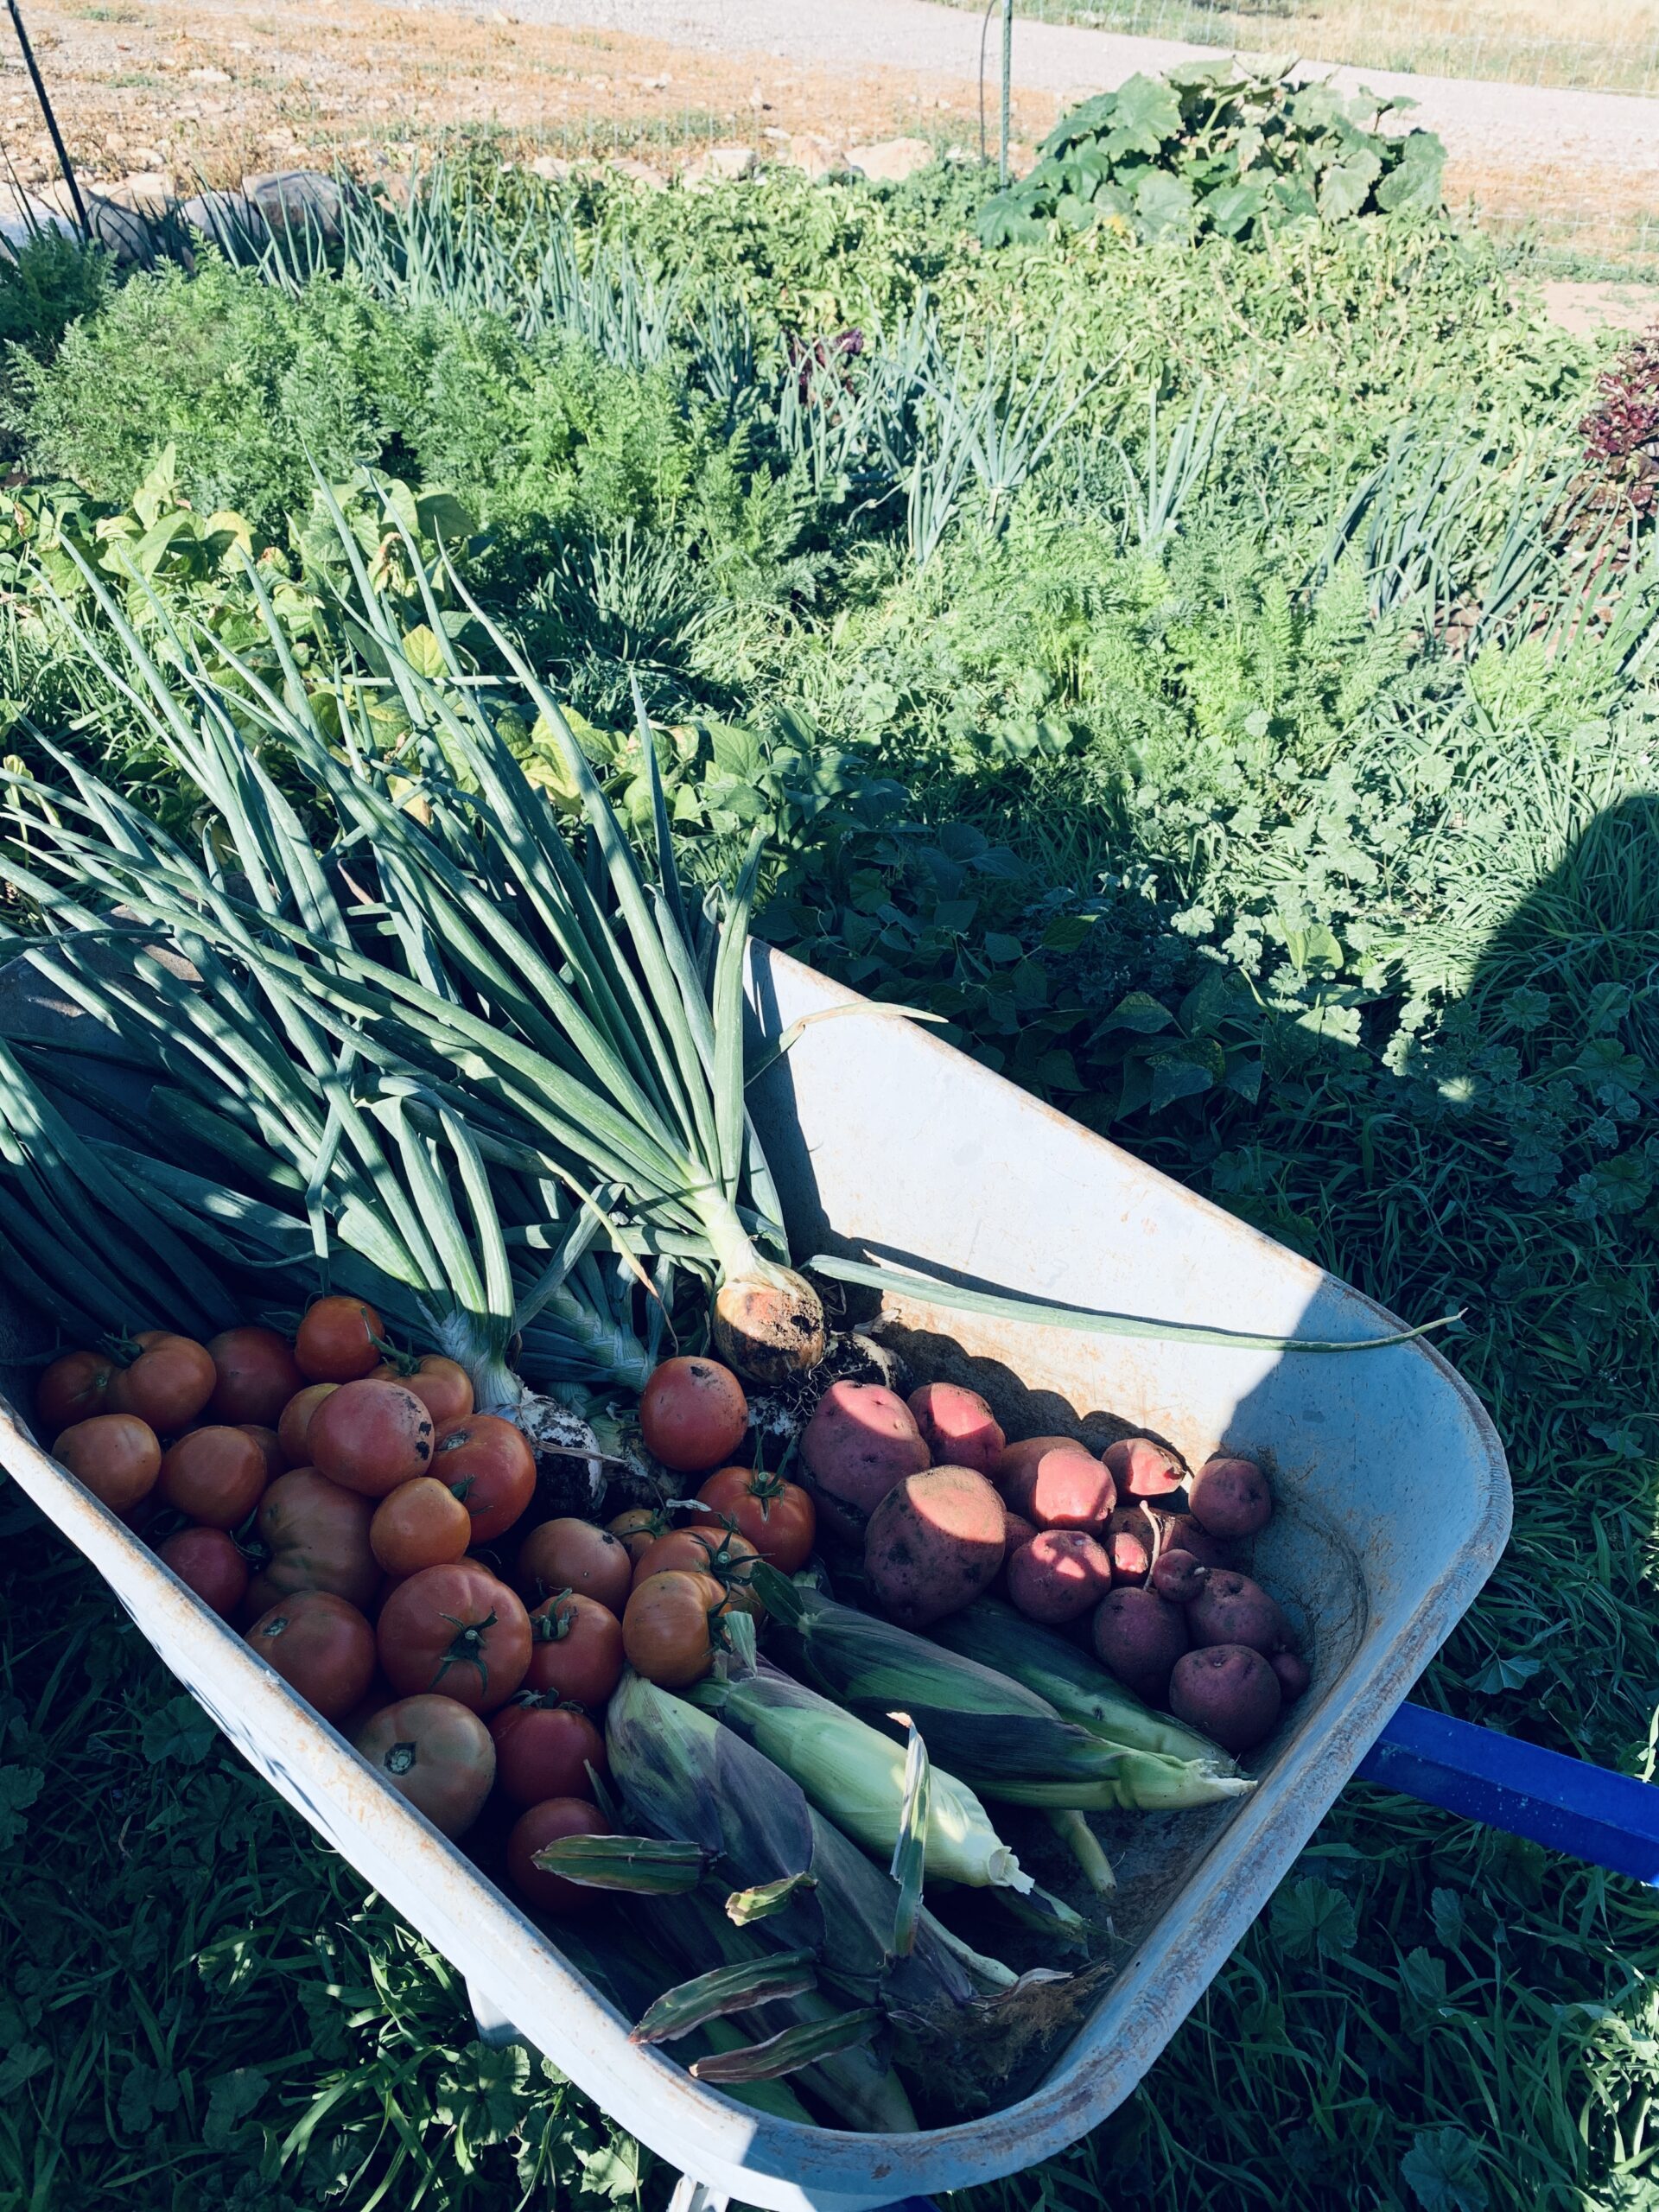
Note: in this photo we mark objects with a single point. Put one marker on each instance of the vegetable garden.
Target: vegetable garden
(1183, 628)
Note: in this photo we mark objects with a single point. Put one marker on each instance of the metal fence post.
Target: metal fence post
(1007, 79)
(63, 151)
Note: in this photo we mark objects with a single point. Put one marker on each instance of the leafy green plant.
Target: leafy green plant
(1216, 146)
(48, 282)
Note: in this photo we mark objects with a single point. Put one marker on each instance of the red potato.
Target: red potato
(1128, 1541)
(1138, 1637)
(933, 1544)
(861, 1440)
(1230, 1498)
(1178, 1576)
(1229, 1693)
(1017, 1532)
(1143, 1469)
(958, 1428)
(1063, 1488)
(1058, 1575)
(1293, 1673)
(1231, 1609)
(1011, 1463)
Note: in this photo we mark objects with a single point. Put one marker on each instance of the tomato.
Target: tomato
(116, 1456)
(214, 1475)
(668, 1630)
(72, 1388)
(436, 1752)
(457, 1631)
(533, 1832)
(208, 1562)
(545, 1750)
(321, 1646)
(270, 1444)
(419, 1525)
(778, 1518)
(718, 1552)
(339, 1341)
(572, 1554)
(294, 1427)
(578, 1652)
(371, 1437)
(443, 1386)
(166, 1383)
(491, 1468)
(640, 1526)
(256, 1376)
(318, 1540)
(693, 1413)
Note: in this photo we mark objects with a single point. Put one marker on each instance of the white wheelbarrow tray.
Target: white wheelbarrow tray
(1394, 1506)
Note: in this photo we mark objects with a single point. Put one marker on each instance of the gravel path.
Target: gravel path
(1507, 126)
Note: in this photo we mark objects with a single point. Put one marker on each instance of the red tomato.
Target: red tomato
(436, 1752)
(693, 1413)
(294, 1427)
(533, 1832)
(443, 1386)
(116, 1456)
(667, 1630)
(457, 1631)
(214, 1475)
(718, 1552)
(491, 1468)
(208, 1562)
(256, 1376)
(778, 1518)
(577, 1654)
(321, 1646)
(371, 1437)
(339, 1341)
(166, 1383)
(72, 1388)
(544, 1750)
(420, 1524)
(318, 1540)
(572, 1554)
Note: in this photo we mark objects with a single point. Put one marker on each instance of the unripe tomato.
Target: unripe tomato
(339, 1341)
(778, 1518)
(371, 1437)
(256, 1376)
(72, 1388)
(577, 1653)
(166, 1383)
(116, 1456)
(318, 1540)
(693, 1413)
(533, 1832)
(419, 1525)
(573, 1555)
(443, 1386)
(437, 1754)
(544, 1750)
(321, 1646)
(668, 1628)
(216, 1476)
(294, 1427)
(458, 1631)
(488, 1464)
(208, 1562)
(639, 1527)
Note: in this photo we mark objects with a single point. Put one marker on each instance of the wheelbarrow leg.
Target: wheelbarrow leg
(691, 2195)
(494, 2028)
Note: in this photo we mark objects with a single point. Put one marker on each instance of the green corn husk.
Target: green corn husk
(995, 1735)
(856, 1776)
(1074, 1684)
(710, 1996)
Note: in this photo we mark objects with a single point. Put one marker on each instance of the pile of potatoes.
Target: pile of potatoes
(945, 1510)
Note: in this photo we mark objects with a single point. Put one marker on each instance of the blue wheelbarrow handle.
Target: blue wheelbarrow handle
(1568, 1803)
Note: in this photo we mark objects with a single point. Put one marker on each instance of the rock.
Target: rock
(553, 167)
(148, 192)
(228, 219)
(816, 158)
(641, 173)
(892, 161)
(208, 76)
(25, 216)
(719, 165)
(121, 231)
(302, 199)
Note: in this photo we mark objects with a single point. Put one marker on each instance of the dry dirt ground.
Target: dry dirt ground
(216, 87)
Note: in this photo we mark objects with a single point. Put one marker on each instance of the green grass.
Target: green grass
(1399, 824)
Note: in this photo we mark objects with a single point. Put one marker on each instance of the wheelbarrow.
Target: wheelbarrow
(1393, 1507)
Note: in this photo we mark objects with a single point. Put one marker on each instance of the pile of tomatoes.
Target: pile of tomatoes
(332, 1499)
